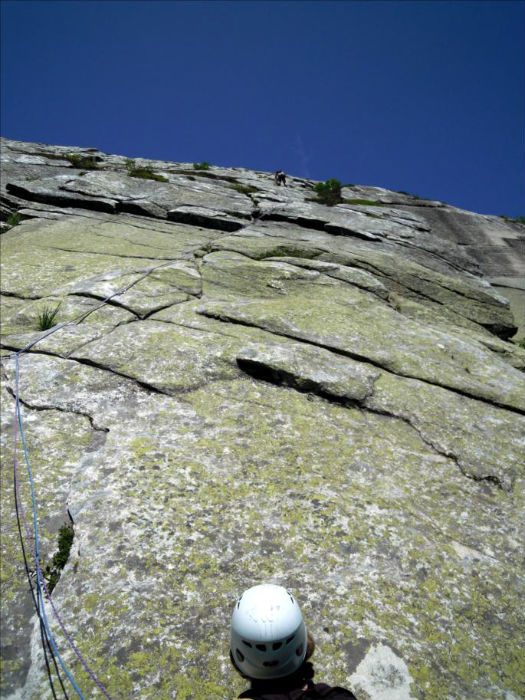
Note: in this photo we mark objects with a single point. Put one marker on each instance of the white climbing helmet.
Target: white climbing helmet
(268, 634)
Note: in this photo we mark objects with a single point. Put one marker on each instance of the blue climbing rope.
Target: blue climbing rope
(36, 549)
(41, 585)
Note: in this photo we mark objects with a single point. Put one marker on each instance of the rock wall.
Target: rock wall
(246, 385)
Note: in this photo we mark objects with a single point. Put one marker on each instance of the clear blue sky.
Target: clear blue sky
(423, 96)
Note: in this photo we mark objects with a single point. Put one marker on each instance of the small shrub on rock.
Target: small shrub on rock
(82, 162)
(201, 166)
(145, 173)
(329, 192)
(13, 219)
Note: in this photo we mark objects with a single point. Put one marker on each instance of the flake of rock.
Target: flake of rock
(334, 220)
(474, 434)
(52, 190)
(384, 196)
(398, 269)
(352, 275)
(226, 274)
(208, 218)
(352, 323)
(309, 369)
(145, 290)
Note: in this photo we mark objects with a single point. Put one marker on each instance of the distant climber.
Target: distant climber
(279, 178)
(270, 647)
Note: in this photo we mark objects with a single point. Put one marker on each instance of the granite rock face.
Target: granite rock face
(245, 385)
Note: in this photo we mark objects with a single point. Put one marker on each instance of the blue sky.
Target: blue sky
(425, 96)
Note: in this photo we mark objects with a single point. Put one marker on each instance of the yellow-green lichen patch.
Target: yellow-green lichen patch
(84, 321)
(357, 323)
(169, 358)
(230, 274)
(474, 433)
(146, 289)
(55, 443)
(23, 315)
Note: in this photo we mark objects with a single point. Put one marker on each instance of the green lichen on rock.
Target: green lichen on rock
(321, 399)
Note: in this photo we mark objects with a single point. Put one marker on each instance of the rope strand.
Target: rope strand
(41, 585)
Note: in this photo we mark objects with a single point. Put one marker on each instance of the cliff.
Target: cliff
(243, 384)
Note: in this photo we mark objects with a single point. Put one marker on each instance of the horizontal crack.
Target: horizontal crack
(50, 407)
(280, 377)
(91, 363)
(109, 255)
(361, 358)
(109, 302)
(12, 295)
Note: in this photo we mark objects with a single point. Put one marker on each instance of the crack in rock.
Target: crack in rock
(50, 407)
(208, 313)
(279, 376)
(92, 363)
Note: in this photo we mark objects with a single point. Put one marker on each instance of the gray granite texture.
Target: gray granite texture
(245, 385)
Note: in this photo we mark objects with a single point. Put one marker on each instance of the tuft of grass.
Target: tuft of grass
(201, 166)
(66, 535)
(13, 219)
(82, 162)
(245, 189)
(144, 173)
(147, 174)
(329, 192)
(46, 318)
(364, 202)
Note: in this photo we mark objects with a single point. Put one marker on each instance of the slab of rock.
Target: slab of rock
(353, 325)
(328, 401)
(309, 369)
(209, 218)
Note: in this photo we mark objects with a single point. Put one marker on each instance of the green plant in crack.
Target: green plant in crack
(329, 192)
(245, 189)
(66, 535)
(201, 166)
(514, 220)
(145, 172)
(13, 219)
(46, 318)
(82, 162)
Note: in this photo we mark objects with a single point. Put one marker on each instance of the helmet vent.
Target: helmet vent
(299, 650)
(290, 639)
(277, 645)
(270, 663)
(240, 655)
(261, 647)
(246, 643)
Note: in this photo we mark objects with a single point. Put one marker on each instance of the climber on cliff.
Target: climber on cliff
(270, 648)
(279, 178)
